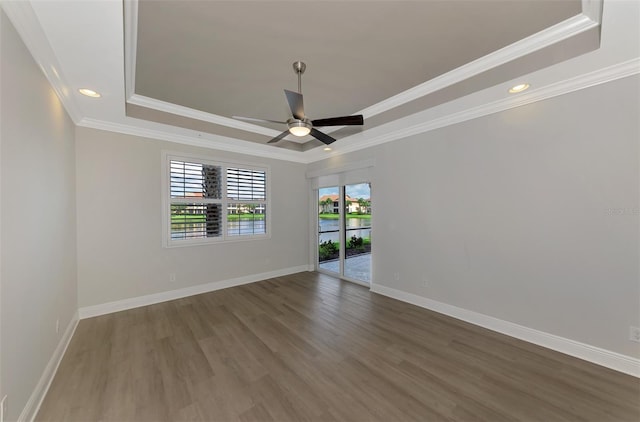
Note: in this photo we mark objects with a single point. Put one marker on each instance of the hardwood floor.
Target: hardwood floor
(308, 347)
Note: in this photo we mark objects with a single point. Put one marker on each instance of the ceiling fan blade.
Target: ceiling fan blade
(251, 119)
(277, 138)
(340, 121)
(295, 104)
(322, 136)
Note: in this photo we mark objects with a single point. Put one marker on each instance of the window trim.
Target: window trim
(167, 157)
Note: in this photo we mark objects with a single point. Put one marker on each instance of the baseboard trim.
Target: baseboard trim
(136, 302)
(32, 407)
(602, 357)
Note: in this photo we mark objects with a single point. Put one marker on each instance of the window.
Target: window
(212, 201)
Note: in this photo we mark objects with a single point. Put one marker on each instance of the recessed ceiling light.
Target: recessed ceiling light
(89, 93)
(518, 88)
(327, 149)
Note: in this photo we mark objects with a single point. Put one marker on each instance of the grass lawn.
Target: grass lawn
(336, 216)
(236, 217)
(187, 218)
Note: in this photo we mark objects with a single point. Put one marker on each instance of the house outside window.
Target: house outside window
(329, 204)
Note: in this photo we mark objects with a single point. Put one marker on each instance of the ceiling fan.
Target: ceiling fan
(299, 124)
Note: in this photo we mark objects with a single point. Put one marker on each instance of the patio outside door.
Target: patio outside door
(344, 231)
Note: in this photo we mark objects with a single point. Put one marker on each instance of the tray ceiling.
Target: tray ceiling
(178, 70)
(234, 58)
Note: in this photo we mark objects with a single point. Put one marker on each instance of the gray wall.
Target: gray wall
(508, 215)
(38, 231)
(530, 216)
(120, 252)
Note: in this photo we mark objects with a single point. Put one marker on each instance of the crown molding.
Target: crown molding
(559, 32)
(24, 18)
(130, 46)
(141, 100)
(131, 37)
(429, 120)
(589, 18)
(196, 139)
(26, 22)
(601, 76)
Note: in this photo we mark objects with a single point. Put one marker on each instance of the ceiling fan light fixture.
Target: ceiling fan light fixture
(299, 127)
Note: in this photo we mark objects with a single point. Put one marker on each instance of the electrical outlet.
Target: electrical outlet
(634, 334)
(57, 325)
(172, 277)
(3, 408)
(425, 283)
(396, 276)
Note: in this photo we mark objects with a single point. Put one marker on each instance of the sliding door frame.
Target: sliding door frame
(346, 174)
(342, 230)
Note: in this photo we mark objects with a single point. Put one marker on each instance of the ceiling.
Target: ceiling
(178, 70)
(238, 62)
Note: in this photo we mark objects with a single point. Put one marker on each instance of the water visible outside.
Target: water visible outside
(360, 227)
(198, 229)
(246, 227)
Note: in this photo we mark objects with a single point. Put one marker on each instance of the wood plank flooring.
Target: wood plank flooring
(309, 347)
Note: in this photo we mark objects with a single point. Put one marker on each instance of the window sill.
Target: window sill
(214, 241)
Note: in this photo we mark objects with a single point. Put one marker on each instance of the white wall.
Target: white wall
(120, 252)
(38, 236)
(508, 215)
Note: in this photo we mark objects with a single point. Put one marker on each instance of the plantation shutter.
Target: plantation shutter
(193, 188)
(209, 200)
(246, 184)
(247, 193)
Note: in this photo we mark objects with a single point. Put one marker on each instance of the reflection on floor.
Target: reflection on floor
(356, 267)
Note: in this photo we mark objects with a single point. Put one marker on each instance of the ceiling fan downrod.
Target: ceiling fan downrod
(299, 68)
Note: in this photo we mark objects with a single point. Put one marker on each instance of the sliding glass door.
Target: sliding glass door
(357, 232)
(329, 216)
(344, 231)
